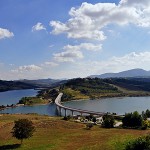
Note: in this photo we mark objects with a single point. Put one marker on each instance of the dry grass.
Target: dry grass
(52, 133)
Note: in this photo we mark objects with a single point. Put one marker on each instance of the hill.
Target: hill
(15, 85)
(123, 74)
(84, 88)
(29, 84)
(57, 134)
(44, 83)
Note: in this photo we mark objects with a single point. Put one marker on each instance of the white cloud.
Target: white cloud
(83, 46)
(27, 68)
(5, 33)
(51, 64)
(137, 3)
(72, 52)
(88, 21)
(39, 26)
(50, 46)
(117, 64)
(68, 56)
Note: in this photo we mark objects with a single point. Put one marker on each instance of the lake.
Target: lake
(116, 105)
(119, 105)
(13, 97)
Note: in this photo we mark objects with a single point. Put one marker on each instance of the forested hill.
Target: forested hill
(14, 85)
(82, 88)
(29, 84)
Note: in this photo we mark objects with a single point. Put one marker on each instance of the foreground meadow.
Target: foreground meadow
(53, 133)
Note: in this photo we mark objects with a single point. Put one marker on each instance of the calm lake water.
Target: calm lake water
(117, 105)
(13, 97)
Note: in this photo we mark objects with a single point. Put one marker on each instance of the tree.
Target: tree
(94, 120)
(133, 120)
(108, 121)
(23, 129)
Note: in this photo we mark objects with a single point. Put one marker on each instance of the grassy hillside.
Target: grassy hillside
(33, 101)
(56, 134)
(130, 83)
(82, 88)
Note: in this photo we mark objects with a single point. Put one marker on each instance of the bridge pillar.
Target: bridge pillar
(72, 112)
(60, 111)
(65, 112)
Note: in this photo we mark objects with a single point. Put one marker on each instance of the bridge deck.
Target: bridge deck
(58, 103)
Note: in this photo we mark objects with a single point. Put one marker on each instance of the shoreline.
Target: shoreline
(105, 97)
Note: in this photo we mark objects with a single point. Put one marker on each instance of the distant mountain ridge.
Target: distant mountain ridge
(29, 84)
(123, 74)
(44, 82)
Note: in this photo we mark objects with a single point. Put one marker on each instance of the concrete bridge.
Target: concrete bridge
(60, 107)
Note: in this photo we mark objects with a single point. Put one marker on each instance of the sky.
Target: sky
(72, 38)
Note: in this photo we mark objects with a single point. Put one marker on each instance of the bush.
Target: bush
(141, 143)
(89, 117)
(108, 121)
(145, 124)
(67, 118)
(89, 126)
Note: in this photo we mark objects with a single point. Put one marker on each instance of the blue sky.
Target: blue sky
(72, 38)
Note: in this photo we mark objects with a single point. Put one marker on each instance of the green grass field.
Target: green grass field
(53, 133)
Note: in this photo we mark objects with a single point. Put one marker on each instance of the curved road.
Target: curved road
(60, 106)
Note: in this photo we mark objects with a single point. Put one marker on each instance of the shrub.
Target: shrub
(141, 143)
(89, 126)
(145, 124)
(67, 118)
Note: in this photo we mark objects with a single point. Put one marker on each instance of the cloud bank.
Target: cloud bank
(89, 20)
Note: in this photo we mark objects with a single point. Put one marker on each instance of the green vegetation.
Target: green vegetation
(49, 94)
(56, 134)
(33, 101)
(70, 94)
(108, 121)
(14, 85)
(89, 126)
(146, 114)
(132, 120)
(130, 84)
(87, 88)
(23, 129)
(67, 118)
(29, 84)
(141, 143)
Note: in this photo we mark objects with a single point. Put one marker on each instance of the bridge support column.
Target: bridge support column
(60, 111)
(65, 112)
(72, 112)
